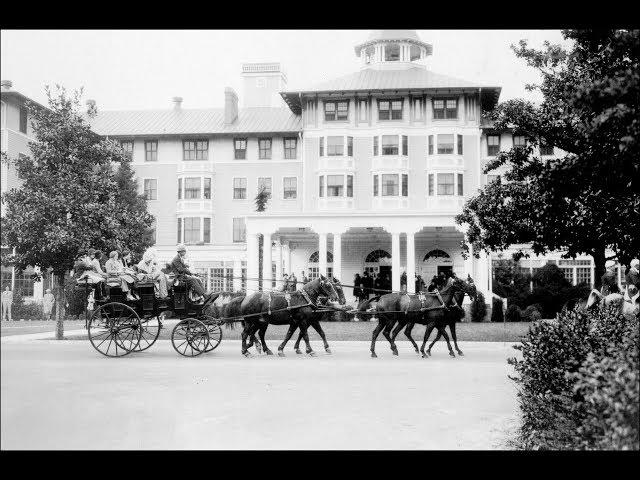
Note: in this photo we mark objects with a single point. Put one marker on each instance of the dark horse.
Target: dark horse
(315, 319)
(226, 305)
(410, 309)
(263, 308)
(433, 320)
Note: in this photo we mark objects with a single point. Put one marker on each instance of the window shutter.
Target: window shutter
(430, 144)
(179, 189)
(431, 184)
(460, 184)
(405, 145)
(459, 144)
(179, 230)
(405, 185)
(322, 146)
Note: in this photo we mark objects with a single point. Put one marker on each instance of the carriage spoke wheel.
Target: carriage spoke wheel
(114, 329)
(150, 332)
(215, 336)
(190, 337)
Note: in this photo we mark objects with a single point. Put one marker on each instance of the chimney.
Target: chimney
(230, 106)
(91, 106)
(262, 83)
(6, 85)
(177, 103)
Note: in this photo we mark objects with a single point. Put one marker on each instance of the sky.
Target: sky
(144, 69)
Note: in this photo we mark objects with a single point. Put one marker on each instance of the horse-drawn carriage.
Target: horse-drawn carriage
(118, 326)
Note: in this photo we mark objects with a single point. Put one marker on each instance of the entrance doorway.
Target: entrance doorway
(446, 269)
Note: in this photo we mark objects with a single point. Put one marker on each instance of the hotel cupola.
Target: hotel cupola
(393, 49)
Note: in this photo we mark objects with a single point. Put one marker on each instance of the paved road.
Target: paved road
(64, 395)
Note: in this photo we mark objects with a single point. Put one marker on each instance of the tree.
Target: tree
(586, 201)
(261, 200)
(69, 197)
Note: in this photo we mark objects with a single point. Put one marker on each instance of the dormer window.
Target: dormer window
(445, 108)
(390, 109)
(392, 52)
(336, 111)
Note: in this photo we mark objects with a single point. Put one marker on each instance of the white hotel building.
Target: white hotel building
(366, 172)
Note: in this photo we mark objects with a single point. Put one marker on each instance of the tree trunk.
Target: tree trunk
(60, 305)
(599, 259)
(260, 246)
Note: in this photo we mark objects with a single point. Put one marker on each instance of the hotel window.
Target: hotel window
(375, 146)
(335, 146)
(445, 144)
(240, 148)
(445, 108)
(493, 145)
(191, 229)
(127, 147)
(23, 119)
(389, 144)
(418, 113)
(375, 185)
(492, 178)
(583, 275)
(321, 185)
(151, 188)
(207, 188)
(206, 230)
(445, 184)
(519, 141)
(239, 230)
(321, 146)
(546, 149)
(460, 185)
(264, 148)
(336, 111)
(23, 283)
(290, 148)
(290, 187)
(362, 110)
(459, 144)
(240, 188)
(265, 182)
(350, 146)
(179, 189)
(405, 185)
(390, 109)
(430, 144)
(405, 145)
(392, 52)
(151, 151)
(195, 149)
(390, 185)
(335, 185)
(192, 188)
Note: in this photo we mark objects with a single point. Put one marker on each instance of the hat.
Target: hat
(181, 248)
(609, 264)
(48, 290)
(635, 262)
(113, 254)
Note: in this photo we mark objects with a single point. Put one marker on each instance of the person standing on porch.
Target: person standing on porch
(293, 283)
(7, 302)
(47, 304)
(304, 278)
(357, 290)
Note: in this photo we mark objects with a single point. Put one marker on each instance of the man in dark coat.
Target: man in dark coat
(633, 276)
(367, 284)
(293, 283)
(609, 280)
(180, 269)
(357, 289)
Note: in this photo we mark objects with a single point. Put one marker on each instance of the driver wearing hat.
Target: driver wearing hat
(179, 267)
(609, 280)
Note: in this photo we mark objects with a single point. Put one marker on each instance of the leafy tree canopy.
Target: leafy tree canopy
(586, 200)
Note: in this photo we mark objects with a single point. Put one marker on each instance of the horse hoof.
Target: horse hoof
(460, 353)
(311, 354)
(424, 355)
(395, 352)
(248, 354)
(451, 354)
(373, 355)
(298, 351)
(328, 350)
(281, 354)
(268, 352)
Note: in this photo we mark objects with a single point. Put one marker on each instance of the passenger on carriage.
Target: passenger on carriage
(149, 271)
(92, 270)
(293, 283)
(179, 267)
(609, 280)
(116, 271)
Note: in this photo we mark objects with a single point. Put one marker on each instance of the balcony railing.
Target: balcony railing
(194, 206)
(390, 203)
(390, 162)
(195, 167)
(336, 203)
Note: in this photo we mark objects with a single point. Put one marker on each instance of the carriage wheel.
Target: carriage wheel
(215, 336)
(150, 332)
(190, 337)
(114, 329)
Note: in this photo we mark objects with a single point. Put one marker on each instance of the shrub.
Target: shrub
(513, 313)
(578, 382)
(497, 315)
(531, 314)
(478, 308)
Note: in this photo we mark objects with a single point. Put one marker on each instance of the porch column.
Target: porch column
(337, 256)
(287, 258)
(278, 261)
(395, 261)
(237, 274)
(253, 257)
(267, 275)
(411, 262)
(482, 273)
(322, 251)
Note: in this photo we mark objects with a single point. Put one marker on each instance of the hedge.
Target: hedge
(579, 382)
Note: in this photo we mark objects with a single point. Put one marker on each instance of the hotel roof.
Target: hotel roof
(397, 80)
(195, 122)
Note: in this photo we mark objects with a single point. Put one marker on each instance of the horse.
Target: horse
(315, 319)
(282, 308)
(450, 317)
(398, 305)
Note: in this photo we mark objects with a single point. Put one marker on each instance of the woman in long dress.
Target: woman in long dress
(115, 269)
(148, 270)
